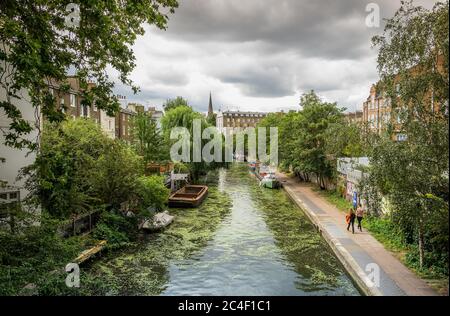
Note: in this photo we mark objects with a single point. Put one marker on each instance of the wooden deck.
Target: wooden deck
(87, 254)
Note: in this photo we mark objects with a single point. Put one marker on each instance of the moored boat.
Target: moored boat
(270, 181)
(158, 222)
(188, 196)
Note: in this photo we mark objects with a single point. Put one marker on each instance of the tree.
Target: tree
(78, 169)
(116, 173)
(171, 104)
(147, 139)
(40, 40)
(413, 174)
(310, 146)
(211, 119)
(345, 139)
(64, 170)
(184, 116)
(152, 192)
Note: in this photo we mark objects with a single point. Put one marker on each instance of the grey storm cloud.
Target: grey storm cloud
(254, 53)
(320, 28)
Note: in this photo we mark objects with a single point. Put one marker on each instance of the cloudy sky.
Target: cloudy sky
(260, 55)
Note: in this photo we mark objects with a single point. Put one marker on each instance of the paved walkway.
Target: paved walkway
(357, 252)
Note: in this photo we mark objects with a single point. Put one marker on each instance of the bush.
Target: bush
(391, 235)
(117, 170)
(152, 192)
(117, 229)
(79, 169)
(31, 255)
(65, 167)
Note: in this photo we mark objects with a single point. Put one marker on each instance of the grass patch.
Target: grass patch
(335, 198)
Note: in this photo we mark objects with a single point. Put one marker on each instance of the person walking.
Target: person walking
(359, 216)
(350, 217)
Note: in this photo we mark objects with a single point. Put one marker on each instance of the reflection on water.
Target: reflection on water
(243, 240)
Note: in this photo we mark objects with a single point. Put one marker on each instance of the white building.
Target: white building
(157, 116)
(108, 124)
(16, 159)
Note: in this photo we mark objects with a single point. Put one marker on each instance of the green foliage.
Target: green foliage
(312, 139)
(29, 256)
(152, 192)
(413, 174)
(183, 117)
(147, 139)
(344, 139)
(64, 171)
(336, 199)
(212, 119)
(171, 104)
(42, 48)
(393, 237)
(117, 229)
(316, 118)
(116, 172)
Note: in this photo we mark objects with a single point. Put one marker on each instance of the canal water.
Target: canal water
(243, 240)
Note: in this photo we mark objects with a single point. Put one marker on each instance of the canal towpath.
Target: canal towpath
(357, 252)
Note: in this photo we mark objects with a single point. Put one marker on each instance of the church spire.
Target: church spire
(210, 106)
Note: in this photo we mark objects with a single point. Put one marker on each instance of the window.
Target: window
(401, 137)
(3, 196)
(13, 196)
(94, 107)
(85, 111)
(73, 100)
(388, 102)
(62, 106)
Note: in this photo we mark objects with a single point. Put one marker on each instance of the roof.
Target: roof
(127, 111)
(243, 113)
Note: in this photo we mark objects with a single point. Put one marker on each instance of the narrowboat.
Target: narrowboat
(270, 181)
(188, 196)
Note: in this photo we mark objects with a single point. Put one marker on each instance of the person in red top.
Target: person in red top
(350, 217)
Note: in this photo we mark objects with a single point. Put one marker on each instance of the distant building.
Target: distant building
(122, 100)
(377, 109)
(108, 124)
(70, 103)
(123, 124)
(210, 107)
(136, 107)
(235, 121)
(157, 115)
(354, 117)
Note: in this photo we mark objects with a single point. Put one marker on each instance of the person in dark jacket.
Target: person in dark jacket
(351, 220)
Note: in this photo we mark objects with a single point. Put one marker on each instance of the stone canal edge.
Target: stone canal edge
(357, 253)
